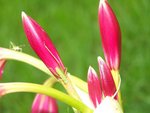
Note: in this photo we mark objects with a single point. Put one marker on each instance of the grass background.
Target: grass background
(73, 27)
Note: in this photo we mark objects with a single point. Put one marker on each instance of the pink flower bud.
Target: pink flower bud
(94, 88)
(42, 45)
(44, 104)
(107, 81)
(2, 65)
(110, 35)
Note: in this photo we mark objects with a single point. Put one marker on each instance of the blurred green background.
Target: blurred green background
(73, 27)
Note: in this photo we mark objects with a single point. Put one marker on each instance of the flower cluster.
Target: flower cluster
(104, 86)
(107, 85)
(99, 91)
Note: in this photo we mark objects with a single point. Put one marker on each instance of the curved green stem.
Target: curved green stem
(50, 82)
(20, 56)
(6, 88)
(79, 83)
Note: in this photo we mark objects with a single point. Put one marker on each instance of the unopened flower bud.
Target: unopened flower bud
(107, 81)
(44, 104)
(94, 88)
(110, 35)
(42, 45)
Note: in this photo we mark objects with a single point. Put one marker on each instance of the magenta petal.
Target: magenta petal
(94, 88)
(110, 35)
(41, 44)
(107, 81)
(44, 104)
(2, 65)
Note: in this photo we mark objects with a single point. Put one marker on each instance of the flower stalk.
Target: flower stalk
(8, 54)
(6, 88)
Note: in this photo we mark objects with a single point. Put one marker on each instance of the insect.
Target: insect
(14, 47)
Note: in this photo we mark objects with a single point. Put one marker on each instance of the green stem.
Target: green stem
(50, 82)
(67, 84)
(6, 88)
(79, 83)
(20, 56)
